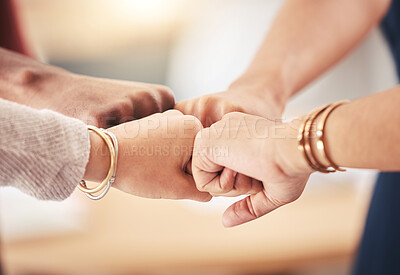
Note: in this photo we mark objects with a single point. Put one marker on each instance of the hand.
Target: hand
(96, 101)
(154, 155)
(245, 154)
(242, 96)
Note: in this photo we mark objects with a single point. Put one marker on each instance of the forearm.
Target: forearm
(361, 134)
(307, 38)
(365, 133)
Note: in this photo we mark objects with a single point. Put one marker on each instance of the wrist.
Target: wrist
(99, 159)
(288, 155)
(265, 90)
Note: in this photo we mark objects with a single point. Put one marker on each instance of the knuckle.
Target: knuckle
(198, 145)
(173, 112)
(224, 188)
(201, 107)
(97, 120)
(204, 100)
(228, 107)
(164, 90)
(202, 187)
(153, 100)
(194, 122)
(233, 115)
(206, 198)
(167, 97)
(125, 107)
(180, 106)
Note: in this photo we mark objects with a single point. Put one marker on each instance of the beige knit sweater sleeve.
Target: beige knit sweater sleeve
(42, 153)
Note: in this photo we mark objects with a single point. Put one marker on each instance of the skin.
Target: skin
(154, 157)
(290, 56)
(96, 101)
(104, 103)
(285, 63)
(288, 60)
(262, 156)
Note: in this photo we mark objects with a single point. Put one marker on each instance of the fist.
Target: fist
(155, 157)
(100, 102)
(95, 101)
(244, 154)
(244, 98)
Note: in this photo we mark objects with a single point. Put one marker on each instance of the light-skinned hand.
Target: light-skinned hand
(245, 154)
(242, 96)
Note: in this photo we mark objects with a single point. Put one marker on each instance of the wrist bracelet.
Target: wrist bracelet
(305, 138)
(112, 144)
(321, 142)
(308, 149)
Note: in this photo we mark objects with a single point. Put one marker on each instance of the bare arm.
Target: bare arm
(307, 38)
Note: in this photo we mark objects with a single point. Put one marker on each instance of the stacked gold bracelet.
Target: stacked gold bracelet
(102, 189)
(306, 138)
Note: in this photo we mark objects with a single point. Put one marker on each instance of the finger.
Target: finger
(188, 168)
(210, 176)
(210, 113)
(173, 113)
(248, 209)
(187, 190)
(145, 103)
(166, 97)
(220, 184)
(243, 185)
(184, 107)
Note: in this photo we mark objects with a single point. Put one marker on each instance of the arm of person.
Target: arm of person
(245, 154)
(154, 158)
(96, 101)
(307, 38)
(46, 154)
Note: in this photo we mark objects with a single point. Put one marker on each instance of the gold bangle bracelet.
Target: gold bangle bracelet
(321, 142)
(302, 145)
(304, 142)
(316, 165)
(308, 146)
(103, 184)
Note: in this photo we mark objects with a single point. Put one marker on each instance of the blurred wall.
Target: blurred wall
(196, 47)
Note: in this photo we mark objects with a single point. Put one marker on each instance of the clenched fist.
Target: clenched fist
(244, 154)
(154, 157)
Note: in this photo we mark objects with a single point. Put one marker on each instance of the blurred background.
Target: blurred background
(195, 47)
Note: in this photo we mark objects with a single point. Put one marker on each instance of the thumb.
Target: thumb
(248, 209)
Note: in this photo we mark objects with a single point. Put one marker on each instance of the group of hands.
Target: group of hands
(229, 143)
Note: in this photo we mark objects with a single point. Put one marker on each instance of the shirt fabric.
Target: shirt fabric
(43, 153)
